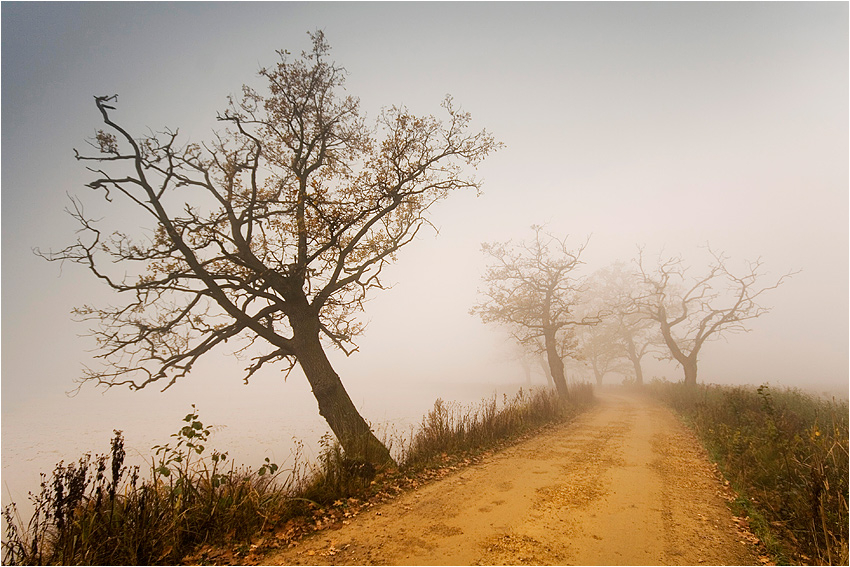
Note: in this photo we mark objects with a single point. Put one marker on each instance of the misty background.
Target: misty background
(667, 125)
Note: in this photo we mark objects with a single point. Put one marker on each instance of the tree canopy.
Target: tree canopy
(623, 333)
(274, 232)
(690, 311)
(533, 289)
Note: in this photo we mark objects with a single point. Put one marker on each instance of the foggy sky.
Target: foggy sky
(661, 124)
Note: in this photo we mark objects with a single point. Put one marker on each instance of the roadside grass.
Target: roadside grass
(785, 453)
(453, 428)
(99, 511)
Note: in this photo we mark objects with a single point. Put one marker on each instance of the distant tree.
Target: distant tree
(531, 287)
(540, 359)
(600, 348)
(274, 232)
(631, 334)
(689, 312)
(517, 353)
(637, 341)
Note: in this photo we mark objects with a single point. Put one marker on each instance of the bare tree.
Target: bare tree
(599, 347)
(273, 233)
(631, 334)
(637, 340)
(532, 288)
(689, 312)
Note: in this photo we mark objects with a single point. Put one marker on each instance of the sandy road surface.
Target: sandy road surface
(625, 483)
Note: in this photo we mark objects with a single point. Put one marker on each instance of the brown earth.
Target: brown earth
(625, 483)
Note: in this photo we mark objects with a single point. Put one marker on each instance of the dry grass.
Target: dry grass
(450, 428)
(97, 511)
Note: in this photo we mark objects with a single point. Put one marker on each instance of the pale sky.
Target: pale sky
(662, 124)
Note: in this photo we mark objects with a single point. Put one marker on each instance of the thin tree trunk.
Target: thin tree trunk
(547, 372)
(631, 351)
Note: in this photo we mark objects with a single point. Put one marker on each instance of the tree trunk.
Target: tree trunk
(638, 372)
(631, 351)
(690, 367)
(547, 372)
(598, 376)
(556, 365)
(351, 430)
(688, 361)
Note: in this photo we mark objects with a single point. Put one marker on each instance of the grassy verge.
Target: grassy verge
(451, 428)
(786, 454)
(192, 501)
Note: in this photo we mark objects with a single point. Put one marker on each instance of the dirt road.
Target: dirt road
(624, 484)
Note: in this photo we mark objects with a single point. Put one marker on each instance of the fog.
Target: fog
(664, 125)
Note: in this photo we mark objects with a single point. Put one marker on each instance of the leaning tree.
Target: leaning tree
(274, 232)
(691, 311)
(532, 288)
